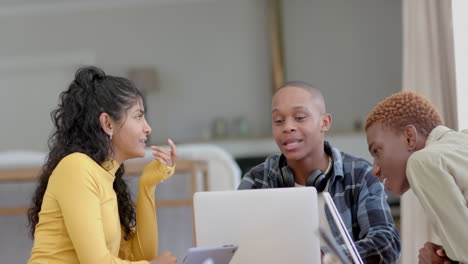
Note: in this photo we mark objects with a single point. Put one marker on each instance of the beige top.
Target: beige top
(438, 175)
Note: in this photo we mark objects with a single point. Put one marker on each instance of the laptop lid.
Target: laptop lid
(269, 225)
(327, 206)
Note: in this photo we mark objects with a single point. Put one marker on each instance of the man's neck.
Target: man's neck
(302, 168)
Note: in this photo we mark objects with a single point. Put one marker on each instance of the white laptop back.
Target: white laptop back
(269, 225)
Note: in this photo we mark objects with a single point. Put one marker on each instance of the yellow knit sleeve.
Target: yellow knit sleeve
(144, 244)
(155, 173)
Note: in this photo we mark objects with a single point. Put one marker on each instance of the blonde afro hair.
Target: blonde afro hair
(406, 108)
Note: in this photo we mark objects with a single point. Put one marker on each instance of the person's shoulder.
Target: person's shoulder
(428, 155)
(77, 156)
(73, 169)
(356, 169)
(77, 160)
(358, 176)
(269, 162)
(358, 162)
(272, 159)
(76, 164)
(346, 158)
(262, 175)
(427, 160)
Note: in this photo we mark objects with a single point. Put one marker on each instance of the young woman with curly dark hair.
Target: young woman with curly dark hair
(82, 211)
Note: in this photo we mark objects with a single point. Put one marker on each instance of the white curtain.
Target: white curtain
(428, 68)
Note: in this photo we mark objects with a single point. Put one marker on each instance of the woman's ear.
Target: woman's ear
(106, 123)
(411, 135)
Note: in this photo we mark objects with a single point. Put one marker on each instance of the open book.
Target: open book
(327, 208)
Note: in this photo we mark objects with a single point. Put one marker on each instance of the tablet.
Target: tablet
(210, 255)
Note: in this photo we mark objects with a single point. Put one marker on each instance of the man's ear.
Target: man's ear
(411, 136)
(326, 122)
(106, 123)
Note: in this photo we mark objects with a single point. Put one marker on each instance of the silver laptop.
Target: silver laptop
(269, 225)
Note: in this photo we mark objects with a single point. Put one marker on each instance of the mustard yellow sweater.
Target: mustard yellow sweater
(79, 218)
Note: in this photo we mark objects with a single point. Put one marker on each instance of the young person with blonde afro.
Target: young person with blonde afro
(412, 149)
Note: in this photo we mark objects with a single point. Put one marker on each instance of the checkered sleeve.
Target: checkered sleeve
(254, 179)
(379, 240)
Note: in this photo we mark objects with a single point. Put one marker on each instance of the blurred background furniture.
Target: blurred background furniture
(199, 168)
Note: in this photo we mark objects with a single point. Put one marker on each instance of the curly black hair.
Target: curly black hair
(77, 129)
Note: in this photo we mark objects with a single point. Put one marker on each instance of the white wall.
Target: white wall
(349, 49)
(212, 59)
(460, 34)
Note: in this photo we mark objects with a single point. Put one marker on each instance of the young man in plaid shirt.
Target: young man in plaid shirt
(299, 123)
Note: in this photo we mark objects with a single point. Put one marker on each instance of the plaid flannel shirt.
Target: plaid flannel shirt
(359, 197)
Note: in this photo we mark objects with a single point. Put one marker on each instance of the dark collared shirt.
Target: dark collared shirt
(359, 197)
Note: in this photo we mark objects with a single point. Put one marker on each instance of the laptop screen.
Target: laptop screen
(330, 218)
(269, 225)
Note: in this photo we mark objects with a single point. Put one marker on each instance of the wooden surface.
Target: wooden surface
(189, 167)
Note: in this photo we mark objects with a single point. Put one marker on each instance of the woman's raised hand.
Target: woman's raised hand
(165, 258)
(166, 157)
